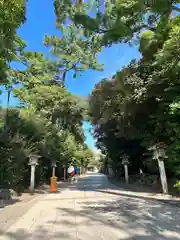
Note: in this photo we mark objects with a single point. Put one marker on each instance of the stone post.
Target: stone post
(33, 162)
(159, 155)
(32, 181)
(163, 176)
(125, 162)
(54, 168)
(126, 173)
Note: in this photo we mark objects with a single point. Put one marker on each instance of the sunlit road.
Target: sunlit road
(95, 209)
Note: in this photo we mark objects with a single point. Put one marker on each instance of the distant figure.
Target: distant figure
(76, 171)
(71, 173)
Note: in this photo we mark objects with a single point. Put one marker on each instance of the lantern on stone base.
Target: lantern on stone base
(159, 154)
(33, 162)
(125, 162)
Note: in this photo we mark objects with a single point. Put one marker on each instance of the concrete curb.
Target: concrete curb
(167, 199)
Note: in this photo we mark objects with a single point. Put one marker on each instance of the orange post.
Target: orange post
(53, 186)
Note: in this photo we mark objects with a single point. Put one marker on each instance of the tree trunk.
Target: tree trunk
(64, 174)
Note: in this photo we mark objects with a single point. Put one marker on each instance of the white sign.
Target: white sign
(70, 169)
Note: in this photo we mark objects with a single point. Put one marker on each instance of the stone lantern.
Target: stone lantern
(33, 162)
(125, 162)
(53, 167)
(159, 154)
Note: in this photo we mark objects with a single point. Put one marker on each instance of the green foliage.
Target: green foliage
(119, 21)
(73, 52)
(12, 15)
(30, 132)
(177, 185)
(57, 105)
(50, 120)
(95, 160)
(136, 108)
(139, 106)
(39, 70)
(15, 150)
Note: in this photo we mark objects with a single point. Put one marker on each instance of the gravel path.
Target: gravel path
(10, 214)
(95, 209)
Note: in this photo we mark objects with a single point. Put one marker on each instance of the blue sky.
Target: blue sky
(41, 21)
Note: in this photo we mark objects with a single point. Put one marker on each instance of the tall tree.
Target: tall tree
(139, 106)
(123, 21)
(73, 52)
(12, 14)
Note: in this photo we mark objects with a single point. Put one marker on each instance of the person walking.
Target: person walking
(75, 173)
(71, 173)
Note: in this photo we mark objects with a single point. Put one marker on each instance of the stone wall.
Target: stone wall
(144, 179)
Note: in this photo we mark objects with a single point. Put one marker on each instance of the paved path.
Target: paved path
(11, 213)
(97, 210)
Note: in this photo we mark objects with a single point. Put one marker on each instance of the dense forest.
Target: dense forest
(139, 106)
(48, 122)
(133, 110)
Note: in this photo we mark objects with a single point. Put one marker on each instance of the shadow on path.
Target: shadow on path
(129, 215)
(140, 217)
(100, 183)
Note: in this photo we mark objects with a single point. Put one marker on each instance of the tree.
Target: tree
(137, 107)
(50, 120)
(122, 21)
(73, 52)
(15, 150)
(12, 16)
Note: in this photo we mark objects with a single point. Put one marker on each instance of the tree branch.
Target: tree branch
(176, 9)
